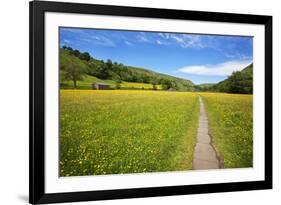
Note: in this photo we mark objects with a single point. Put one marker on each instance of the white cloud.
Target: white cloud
(73, 30)
(159, 42)
(128, 43)
(182, 40)
(164, 35)
(89, 36)
(189, 41)
(222, 69)
(142, 37)
(153, 39)
(98, 40)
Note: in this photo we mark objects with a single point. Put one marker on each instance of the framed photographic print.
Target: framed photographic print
(140, 102)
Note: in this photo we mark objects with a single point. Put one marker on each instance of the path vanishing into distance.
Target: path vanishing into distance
(204, 156)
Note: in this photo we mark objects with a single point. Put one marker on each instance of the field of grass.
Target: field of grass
(231, 126)
(139, 86)
(88, 80)
(118, 131)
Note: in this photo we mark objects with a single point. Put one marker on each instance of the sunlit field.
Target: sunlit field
(231, 127)
(118, 131)
(140, 86)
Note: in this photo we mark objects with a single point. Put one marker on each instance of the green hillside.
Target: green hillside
(81, 70)
(182, 84)
(204, 86)
(238, 82)
(87, 81)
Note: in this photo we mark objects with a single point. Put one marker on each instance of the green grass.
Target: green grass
(117, 131)
(139, 86)
(231, 126)
(87, 81)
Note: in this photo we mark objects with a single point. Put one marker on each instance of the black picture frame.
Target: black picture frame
(37, 10)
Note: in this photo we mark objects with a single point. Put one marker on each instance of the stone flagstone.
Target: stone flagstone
(204, 156)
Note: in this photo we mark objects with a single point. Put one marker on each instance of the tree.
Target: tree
(62, 76)
(166, 84)
(118, 84)
(76, 53)
(154, 84)
(102, 71)
(85, 56)
(174, 85)
(67, 48)
(145, 78)
(109, 65)
(73, 70)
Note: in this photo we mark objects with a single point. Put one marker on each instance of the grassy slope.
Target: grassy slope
(206, 85)
(110, 132)
(231, 126)
(247, 73)
(181, 82)
(88, 80)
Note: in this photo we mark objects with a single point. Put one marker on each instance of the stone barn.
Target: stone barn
(171, 89)
(101, 86)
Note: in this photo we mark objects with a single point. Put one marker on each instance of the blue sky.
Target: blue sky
(199, 58)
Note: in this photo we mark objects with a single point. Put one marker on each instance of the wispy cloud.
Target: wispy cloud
(189, 41)
(182, 40)
(141, 37)
(161, 42)
(193, 41)
(230, 48)
(98, 40)
(222, 69)
(164, 35)
(66, 41)
(153, 38)
(73, 30)
(235, 55)
(88, 36)
(101, 40)
(128, 43)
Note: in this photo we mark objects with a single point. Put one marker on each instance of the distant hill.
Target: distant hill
(182, 84)
(204, 86)
(118, 75)
(237, 82)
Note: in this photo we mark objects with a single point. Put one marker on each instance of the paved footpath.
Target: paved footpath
(204, 156)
